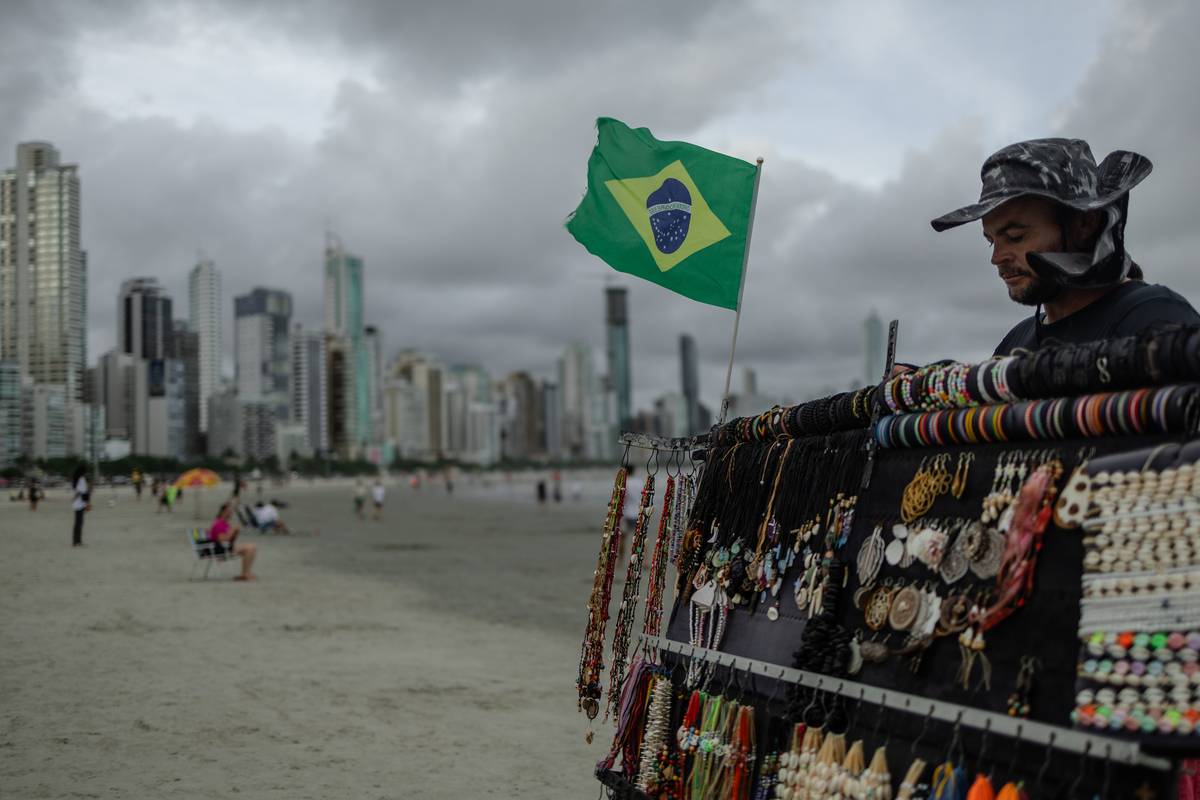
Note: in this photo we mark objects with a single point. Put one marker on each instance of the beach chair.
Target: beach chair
(246, 516)
(207, 552)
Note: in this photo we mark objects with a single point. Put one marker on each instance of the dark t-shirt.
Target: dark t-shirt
(1130, 308)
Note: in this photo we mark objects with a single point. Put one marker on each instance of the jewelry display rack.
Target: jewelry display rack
(646, 441)
(1065, 739)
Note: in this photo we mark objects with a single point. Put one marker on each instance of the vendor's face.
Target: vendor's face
(1021, 226)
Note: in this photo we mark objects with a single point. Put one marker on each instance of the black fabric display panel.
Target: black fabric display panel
(1046, 627)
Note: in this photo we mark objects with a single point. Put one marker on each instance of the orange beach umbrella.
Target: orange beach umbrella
(198, 478)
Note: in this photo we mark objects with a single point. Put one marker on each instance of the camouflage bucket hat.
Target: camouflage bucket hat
(1062, 170)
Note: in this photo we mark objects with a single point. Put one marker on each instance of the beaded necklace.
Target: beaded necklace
(629, 597)
(591, 658)
(657, 736)
(652, 617)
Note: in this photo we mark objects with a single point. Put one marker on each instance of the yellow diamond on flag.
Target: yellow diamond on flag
(669, 213)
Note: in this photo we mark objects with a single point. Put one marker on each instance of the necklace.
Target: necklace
(591, 658)
(652, 617)
(870, 557)
(629, 599)
(658, 722)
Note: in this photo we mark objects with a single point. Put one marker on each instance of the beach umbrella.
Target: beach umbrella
(198, 478)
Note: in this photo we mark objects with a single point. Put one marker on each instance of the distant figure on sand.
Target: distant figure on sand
(377, 495)
(81, 503)
(541, 492)
(35, 493)
(266, 515)
(225, 534)
(360, 498)
(136, 479)
(167, 498)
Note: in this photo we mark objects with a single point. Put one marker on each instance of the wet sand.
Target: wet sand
(429, 655)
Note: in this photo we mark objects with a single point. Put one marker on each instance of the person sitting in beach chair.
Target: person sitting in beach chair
(266, 518)
(222, 533)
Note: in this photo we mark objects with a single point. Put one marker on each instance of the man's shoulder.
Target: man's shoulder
(1022, 334)
(1147, 304)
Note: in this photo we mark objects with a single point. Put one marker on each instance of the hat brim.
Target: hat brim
(1121, 170)
(978, 210)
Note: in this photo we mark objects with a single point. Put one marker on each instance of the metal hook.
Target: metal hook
(1041, 776)
(956, 736)
(924, 727)
(625, 455)
(883, 708)
(1073, 791)
(775, 691)
(812, 702)
(851, 723)
(652, 457)
(1012, 765)
(983, 745)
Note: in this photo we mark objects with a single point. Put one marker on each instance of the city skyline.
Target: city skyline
(254, 171)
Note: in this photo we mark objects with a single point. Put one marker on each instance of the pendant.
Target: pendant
(856, 658)
(894, 553)
(906, 604)
(988, 563)
(954, 565)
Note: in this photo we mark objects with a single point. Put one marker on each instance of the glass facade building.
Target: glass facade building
(43, 271)
(344, 317)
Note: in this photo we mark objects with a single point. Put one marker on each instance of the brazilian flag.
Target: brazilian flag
(670, 212)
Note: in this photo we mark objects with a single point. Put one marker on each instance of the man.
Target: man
(1056, 224)
(266, 517)
(377, 495)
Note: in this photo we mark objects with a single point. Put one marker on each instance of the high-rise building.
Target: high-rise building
(373, 342)
(204, 316)
(144, 319)
(550, 434)
(309, 405)
(344, 316)
(340, 396)
(577, 386)
(43, 270)
(187, 351)
(617, 331)
(873, 340)
(263, 320)
(224, 423)
(689, 371)
(426, 377)
(258, 430)
(11, 413)
(122, 391)
(523, 417)
(46, 420)
(166, 410)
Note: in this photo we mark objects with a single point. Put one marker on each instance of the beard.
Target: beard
(1036, 291)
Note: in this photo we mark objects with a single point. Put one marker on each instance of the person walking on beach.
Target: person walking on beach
(35, 493)
(136, 479)
(225, 534)
(377, 495)
(360, 499)
(81, 503)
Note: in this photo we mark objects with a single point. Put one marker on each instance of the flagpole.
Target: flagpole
(741, 288)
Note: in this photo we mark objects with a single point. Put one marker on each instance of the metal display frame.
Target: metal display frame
(1052, 736)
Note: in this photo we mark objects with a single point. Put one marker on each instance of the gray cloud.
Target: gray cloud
(452, 172)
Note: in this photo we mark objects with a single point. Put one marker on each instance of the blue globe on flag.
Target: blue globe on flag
(670, 210)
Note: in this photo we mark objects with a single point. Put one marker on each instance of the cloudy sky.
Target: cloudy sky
(446, 142)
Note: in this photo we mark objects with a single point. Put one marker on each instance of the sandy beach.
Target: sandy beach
(430, 655)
